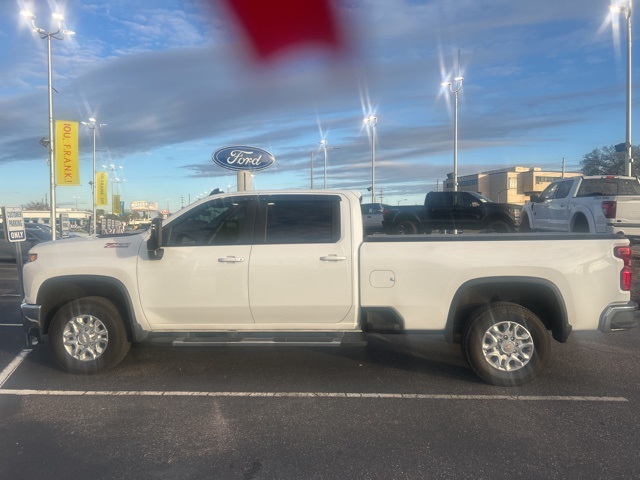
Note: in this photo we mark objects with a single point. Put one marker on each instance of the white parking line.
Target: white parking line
(15, 363)
(404, 396)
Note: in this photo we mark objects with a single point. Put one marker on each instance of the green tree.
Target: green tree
(606, 161)
(36, 206)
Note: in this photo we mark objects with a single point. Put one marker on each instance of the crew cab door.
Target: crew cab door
(559, 207)
(542, 208)
(467, 210)
(439, 210)
(301, 266)
(202, 279)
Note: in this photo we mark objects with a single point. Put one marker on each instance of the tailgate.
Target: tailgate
(628, 208)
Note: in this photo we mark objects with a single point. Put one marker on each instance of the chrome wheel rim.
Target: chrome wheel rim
(507, 346)
(85, 338)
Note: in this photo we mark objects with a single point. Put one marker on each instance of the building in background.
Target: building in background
(508, 185)
(77, 218)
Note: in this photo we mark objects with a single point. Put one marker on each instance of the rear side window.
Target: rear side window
(598, 187)
(441, 199)
(301, 220)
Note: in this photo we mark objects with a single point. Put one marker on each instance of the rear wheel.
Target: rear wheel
(580, 225)
(405, 227)
(499, 226)
(506, 344)
(88, 336)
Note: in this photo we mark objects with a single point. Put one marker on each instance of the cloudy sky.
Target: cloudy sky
(174, 80)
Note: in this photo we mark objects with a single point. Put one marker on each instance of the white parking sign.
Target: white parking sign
(14, 224)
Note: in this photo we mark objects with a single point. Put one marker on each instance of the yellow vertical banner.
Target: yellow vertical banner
(67, 165)
(101, 184)
(115, 205)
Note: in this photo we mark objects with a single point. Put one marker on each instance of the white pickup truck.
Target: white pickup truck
(295, 267)
(604, 204)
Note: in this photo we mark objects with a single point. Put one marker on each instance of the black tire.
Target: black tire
(88, 336)
(405, 227)
(524, 224)
(506, 344)
(499, 226)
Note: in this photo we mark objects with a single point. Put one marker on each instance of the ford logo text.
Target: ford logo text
(243, 158)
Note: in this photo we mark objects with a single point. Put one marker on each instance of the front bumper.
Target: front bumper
(31, 321)
(619, 316)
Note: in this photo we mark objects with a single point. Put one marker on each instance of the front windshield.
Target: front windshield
(480, 197)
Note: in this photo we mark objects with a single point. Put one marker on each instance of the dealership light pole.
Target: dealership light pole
(372, 121)
(627, 11)
(324, 145)
(58, 35)
(94, 125)
(458, 85)
(113, 179)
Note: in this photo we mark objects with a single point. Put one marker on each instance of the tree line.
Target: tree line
(607, 161)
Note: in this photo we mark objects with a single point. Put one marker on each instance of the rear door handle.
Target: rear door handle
(333, 258)
(231, 259)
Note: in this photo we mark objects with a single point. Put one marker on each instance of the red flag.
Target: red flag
(276, 25)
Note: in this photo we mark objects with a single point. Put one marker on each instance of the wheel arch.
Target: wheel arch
(580, 214)
(539, 295)
(401, 217)
(502, 217)
(56, 292)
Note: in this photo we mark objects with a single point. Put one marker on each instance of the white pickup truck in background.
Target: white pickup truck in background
(606, 204)
(295, 267)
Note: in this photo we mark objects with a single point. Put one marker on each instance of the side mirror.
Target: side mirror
(534, 198)
(154, 244)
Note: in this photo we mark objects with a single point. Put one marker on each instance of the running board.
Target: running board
(253, 340)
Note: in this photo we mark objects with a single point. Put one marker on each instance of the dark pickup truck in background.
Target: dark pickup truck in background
(452, 211)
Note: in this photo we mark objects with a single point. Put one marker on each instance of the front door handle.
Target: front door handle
(231, 259)
(333, 258)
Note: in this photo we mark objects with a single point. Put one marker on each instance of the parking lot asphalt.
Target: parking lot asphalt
(402, 407)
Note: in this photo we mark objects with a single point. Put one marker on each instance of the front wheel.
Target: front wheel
(524, 224)
(506, 344)
(88, 336)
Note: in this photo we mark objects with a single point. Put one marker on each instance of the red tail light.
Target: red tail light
(609, 208)
(625, 274)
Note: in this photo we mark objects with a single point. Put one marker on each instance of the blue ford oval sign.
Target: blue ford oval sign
(243, 157)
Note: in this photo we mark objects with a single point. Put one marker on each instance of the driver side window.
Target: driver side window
(217, 222)
(549, 192)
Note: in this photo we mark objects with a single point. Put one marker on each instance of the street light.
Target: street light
(372, 121)
(93, 125)
(627, 10)
(455, 90)
(114, 180)
(58, 35)
(325, 144)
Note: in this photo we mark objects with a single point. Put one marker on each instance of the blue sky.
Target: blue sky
(173, 81)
